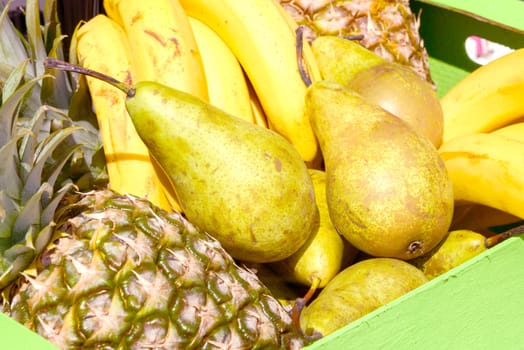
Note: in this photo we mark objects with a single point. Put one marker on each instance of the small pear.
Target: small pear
(358, 290)
(394, 87)
(387, 189)
(458, 247)
(323, 254)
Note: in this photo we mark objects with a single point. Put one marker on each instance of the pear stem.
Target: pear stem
(300, 303)
(53, 63)
(496, 239)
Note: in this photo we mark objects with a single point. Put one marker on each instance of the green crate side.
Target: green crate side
(445, 75)
(445, 30)
(474, 306)
(507, 12)
(16, 336)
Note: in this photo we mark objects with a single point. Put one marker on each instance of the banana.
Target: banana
(486, 99)
(480, 218)
(265, 45)
(226, 82)
(162, 42)
(486, 169)
(259, 116)
(513, 131)
(102, 46)
(164, 50)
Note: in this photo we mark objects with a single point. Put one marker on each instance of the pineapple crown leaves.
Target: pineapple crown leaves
(29, 169)
(66, 91)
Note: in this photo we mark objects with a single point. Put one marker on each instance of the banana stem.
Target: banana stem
(300, 57)
(53, 63)
(496, 239)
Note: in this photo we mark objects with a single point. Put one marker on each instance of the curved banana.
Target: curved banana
(514, 131)
(487, 169)
(162, 42)
(259, 116)
(486, 99)
(102, 46)
(265, 45)
(226, 82)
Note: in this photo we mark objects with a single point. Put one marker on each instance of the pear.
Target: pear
(324, 253)
(243, 184)
(340, 59)
(458, 247)
(387, 189)
(358, 290)
(394, 87)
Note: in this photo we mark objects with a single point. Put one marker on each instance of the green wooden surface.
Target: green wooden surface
(16, 337)
(445, 32)
(478, 305)
(505, 12)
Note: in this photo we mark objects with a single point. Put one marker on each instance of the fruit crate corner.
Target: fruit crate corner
(447, 24)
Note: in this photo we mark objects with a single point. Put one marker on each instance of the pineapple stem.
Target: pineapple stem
(53, 63)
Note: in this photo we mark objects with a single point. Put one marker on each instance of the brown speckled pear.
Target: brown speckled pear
(392, 86)
(358, 290)
(387, 189)
(245, 185)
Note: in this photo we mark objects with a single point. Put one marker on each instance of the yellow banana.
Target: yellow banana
(259, 116)
(513, 131)
(162, 42)
(265, 45)
(164, 50)
(488, 98)
(226, 82)
(102, 46)
(487, 169)
(480, 218)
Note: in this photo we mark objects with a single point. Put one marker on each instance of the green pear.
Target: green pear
(245, 185)
(358, 290)
(394, 87)
(340, 59)
(458, 247)
(324, 253)
(387, 189)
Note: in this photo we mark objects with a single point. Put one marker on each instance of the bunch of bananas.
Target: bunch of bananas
(234, 64)
(483, 146)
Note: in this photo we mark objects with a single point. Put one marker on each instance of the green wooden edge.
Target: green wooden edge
(478, 305)
(445, 29)
(17, 337)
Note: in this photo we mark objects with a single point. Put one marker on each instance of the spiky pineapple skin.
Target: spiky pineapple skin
(389, 27)
(124, 274)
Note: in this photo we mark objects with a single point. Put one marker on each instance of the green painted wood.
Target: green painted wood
(17, 337)
(445, 75)
(478, 305)
(445, 30)
(505, 12)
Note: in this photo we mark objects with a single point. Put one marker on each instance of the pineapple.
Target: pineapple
(94, 269)
(126, 275)
(389, 28)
